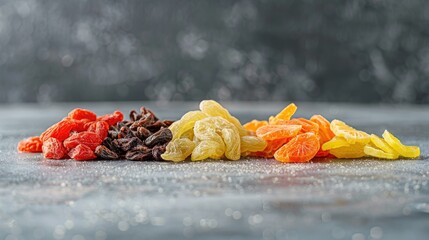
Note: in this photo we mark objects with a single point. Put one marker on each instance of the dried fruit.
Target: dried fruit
(374, 152)
(382, 144)
(252, 144)
(178, 150)
(161, 137)
(113, 118)
(53, 149)
(403, 150)
(335, 142)
(214, 109)
(221, 131)
(81, 125)
(325, 133)
(271, 148)
(186, 123)
(80, 113)
(60, 130)
(89, 139)
(273, 132)
(284, 115)
(101, 128)
(136, 155)
(157, 151)
(254, 125)
(82, 152)
(103, 152)
(208, 149)
(352, 151)
(301, 148)
(307, 125)
(350, 134)
(31, 144)
(142, 138)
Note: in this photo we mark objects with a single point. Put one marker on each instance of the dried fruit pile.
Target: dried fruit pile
(84, 136)
(142, 138)
(209, 133)
(300, 140)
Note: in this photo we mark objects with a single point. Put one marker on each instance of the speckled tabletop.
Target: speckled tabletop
(245, 199)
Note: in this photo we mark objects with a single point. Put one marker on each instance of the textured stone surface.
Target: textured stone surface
(246, 199)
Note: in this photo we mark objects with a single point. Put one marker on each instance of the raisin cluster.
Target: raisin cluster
(144, 137)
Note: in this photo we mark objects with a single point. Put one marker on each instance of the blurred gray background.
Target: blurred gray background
(298, 50)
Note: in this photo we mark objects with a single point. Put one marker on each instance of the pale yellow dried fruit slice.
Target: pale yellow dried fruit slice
(403, 150)
(335, 142)
(351, 135)
(353, 151)
(374, 152)
(381, 144)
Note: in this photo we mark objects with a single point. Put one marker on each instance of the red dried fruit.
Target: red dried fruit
(60, 130)
(101, 128)
(82, 152)
(53, 149)
(31, 144)
(113, 118)
(81, 125)
(89, 139)
(80, 113)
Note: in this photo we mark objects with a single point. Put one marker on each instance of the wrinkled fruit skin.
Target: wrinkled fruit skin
(81, 125)
(53, 149)
(82, 152)
(80, 113)
(89, 139)
(212, 133)
(101, 128)
(162, 136)
(143, 138)
(31, 144)
(103, 152)
(113, 118)
(60, 130)
(220, 131)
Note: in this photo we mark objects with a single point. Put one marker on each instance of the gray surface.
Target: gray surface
(246, 199)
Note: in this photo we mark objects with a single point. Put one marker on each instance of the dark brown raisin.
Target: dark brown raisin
(167, 123)
(145, 111)
(134, 116)
(143, 133)
(139, 155)
(141, 148)
(125, 132)
(162, 136)
(157, 151)
(125, 144)
(154, 127)
(104, 153)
